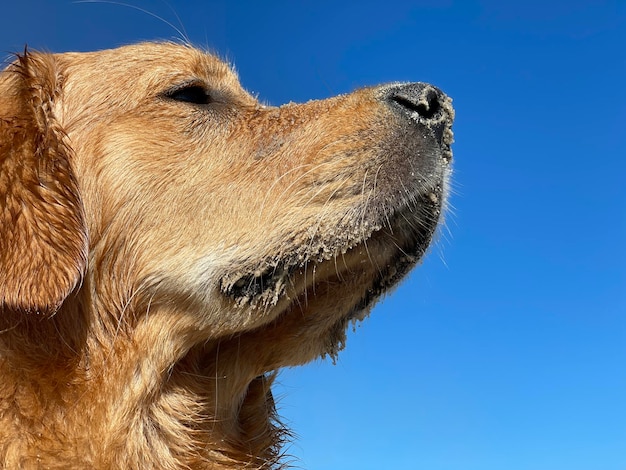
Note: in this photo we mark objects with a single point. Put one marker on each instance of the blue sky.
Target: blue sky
(506, 349)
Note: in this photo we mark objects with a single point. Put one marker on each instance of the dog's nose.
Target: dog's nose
(421, 103)
(417, 100)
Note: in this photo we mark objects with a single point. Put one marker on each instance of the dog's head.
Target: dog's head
(149, 172)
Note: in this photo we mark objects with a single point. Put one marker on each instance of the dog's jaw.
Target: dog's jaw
(313, 285)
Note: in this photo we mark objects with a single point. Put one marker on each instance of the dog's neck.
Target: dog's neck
(125, 389)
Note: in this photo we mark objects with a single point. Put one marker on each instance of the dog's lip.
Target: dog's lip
(405, 236)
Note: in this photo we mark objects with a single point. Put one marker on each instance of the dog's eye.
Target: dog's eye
(195, 94)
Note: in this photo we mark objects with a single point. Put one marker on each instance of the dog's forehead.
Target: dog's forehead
(152, 62)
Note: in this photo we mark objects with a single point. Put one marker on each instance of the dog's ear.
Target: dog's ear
(43, 237)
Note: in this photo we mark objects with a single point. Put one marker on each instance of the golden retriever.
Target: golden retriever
(167, 243)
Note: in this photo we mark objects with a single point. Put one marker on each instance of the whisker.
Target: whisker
(181, 33)
(294, 182)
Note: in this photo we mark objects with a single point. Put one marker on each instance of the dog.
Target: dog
(167, 243)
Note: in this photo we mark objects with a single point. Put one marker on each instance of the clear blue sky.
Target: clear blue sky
(506, 349)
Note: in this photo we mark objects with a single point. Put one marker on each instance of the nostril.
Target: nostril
(426, 108)
(424, 100)
(430, 105)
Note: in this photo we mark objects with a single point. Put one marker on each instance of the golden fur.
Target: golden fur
(167, 244)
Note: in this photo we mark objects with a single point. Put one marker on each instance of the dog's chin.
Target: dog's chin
(321, 293)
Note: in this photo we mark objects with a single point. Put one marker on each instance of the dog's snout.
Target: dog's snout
(418, 100)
